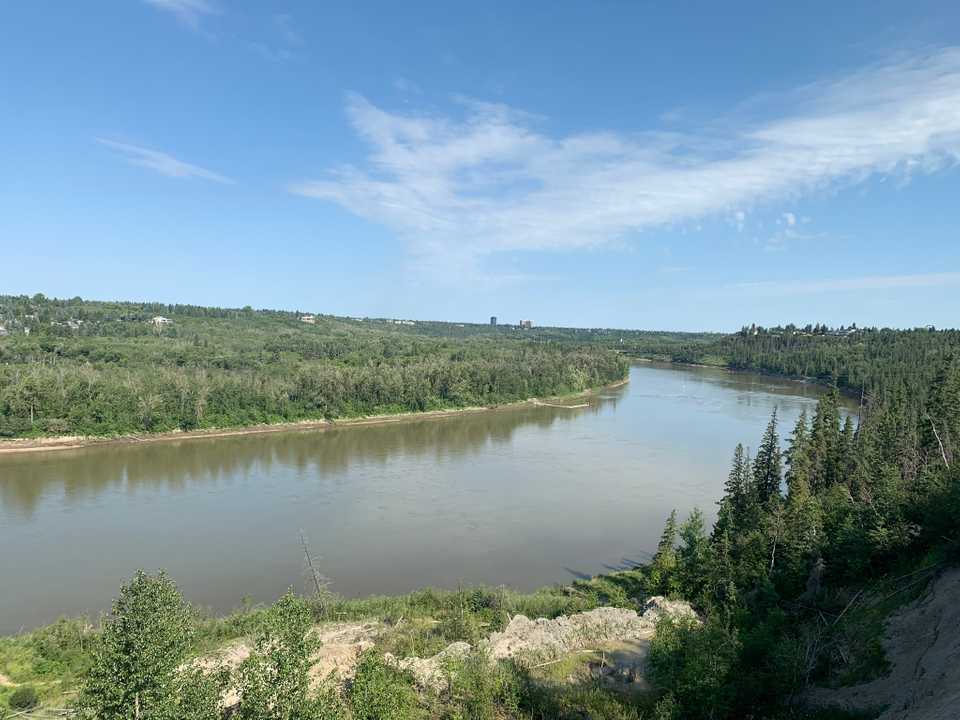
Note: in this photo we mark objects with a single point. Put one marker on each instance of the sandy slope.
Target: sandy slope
(922, 644)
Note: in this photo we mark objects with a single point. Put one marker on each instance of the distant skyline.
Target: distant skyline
(684, 166)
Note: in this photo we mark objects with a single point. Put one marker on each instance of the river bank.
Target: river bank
(70, 442)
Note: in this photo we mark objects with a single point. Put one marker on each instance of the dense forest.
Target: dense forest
(814, 544)
(73, 367)
(859, 361)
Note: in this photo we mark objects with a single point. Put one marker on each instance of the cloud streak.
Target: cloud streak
(464, 186)
(189, 12)
(162, 163)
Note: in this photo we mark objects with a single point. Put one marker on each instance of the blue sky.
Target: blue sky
(638, 164)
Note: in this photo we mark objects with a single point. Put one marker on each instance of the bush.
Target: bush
(380, 692)
(478, 687)
(274, 680)
(694, 663)
(24, 698)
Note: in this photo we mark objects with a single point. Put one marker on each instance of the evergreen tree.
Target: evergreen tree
(825, 442)
(663, 570)
(767, 466)
(693, 557)
(799, 461)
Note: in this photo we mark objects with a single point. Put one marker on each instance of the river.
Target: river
(522, 496)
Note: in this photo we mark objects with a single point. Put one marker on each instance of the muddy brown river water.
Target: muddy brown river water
(522, 496)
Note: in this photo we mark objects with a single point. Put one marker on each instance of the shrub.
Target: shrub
(23, 698)
(380, 692)
(694, 663)
(479, 687)
(274, 680)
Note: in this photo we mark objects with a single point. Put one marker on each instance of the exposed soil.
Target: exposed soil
(922, 644)
(619, 637)
(340, 648)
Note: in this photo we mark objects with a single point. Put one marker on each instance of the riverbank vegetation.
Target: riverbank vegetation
(816, 542)
(73, 367)
(881, 363)
(817, 539)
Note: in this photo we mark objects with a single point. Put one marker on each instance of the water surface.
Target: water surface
(524, 497)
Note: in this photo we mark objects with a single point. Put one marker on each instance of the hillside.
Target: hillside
(73, 367)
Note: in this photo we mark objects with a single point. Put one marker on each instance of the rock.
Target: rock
(658, 606)
(541, 640)
(431, 672)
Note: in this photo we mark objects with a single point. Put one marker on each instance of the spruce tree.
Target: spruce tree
(693, 557)
(663, 569)
(767, 470)
(799, 461)
(825, 442)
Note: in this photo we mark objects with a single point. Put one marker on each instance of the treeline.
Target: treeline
(73, 367)
(881, 362)
(874, 362)
(801, 530)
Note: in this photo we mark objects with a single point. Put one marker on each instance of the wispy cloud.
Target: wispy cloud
(282, 41)
(463, 186)
(869, 282)
(163, 163)
(189, 12)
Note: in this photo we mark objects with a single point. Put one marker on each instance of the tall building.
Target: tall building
(526, 324)
(493, 320)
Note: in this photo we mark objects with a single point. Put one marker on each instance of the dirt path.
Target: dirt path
(922, 643)
(74, 442)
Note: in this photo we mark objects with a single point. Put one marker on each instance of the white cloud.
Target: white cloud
(461, 188)
(790, 219)
(163, 163)
(870, 282)
(189, 12)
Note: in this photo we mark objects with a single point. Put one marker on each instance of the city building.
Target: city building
(493, 320)
(526, 324)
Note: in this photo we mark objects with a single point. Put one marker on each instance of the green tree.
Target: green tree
(144, 640)
(663, 578)
(738, 500)
(767, 466)
(825, 443)
(273, 682)
(693, 556)
(694, 663)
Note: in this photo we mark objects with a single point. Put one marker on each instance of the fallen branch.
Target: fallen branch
(852, 601)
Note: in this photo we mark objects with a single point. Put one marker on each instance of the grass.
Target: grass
(53, 658)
